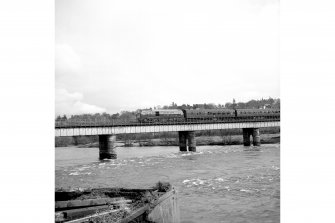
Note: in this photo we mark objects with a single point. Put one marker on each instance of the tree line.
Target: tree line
(131, 115)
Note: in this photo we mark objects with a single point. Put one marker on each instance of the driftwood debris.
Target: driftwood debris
(85, 219)
(77, 213)
(90, 202)
(113, 205)
(117, 205)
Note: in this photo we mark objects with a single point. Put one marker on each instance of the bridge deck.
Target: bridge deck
(74, 124)
(84, 129)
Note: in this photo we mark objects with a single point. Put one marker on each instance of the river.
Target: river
(215, 184)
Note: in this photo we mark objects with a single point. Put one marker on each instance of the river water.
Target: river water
(215, 184)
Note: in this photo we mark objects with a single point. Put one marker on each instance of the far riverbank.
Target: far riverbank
(201, 141)
(269, 135)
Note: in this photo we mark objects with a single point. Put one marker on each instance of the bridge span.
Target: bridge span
(107, 133)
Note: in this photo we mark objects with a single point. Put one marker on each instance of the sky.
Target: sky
(112, 56)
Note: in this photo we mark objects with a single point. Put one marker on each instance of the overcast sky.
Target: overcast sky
(129, 54)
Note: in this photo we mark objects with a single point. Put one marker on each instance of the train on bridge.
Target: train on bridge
(178, 116)
(196, 115)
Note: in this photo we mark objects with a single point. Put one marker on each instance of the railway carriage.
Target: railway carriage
(209, 114)
(257, 113)
(160, 116)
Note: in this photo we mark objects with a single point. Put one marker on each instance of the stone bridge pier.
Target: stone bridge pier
(107, 146)
(254, 132)
(187, 139)
(75, 140)
(182, 141)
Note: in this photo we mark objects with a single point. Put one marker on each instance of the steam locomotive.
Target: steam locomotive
(196, 115)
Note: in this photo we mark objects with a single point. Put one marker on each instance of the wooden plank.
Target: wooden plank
(165, 195)
(135, 214)
(89, 202)
(84, 219)
(78, 213)
(166, 209)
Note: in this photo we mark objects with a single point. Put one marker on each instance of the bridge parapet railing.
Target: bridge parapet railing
(117, 122)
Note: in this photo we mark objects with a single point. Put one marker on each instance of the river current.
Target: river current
(215, 184)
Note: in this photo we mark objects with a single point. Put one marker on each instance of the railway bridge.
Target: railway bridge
(186, 131)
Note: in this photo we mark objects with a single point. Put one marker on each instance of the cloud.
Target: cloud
(72, 103)
(67, 60)
(262, 3)
(127, 56)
